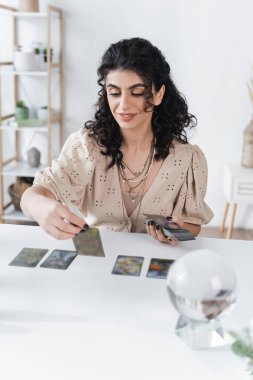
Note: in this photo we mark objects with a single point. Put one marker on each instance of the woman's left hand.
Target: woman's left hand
(156, 232)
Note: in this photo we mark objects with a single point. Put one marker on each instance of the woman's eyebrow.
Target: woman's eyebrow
(137, 85)
(110, 85)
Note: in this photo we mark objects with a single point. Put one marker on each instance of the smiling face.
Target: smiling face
(126, 94)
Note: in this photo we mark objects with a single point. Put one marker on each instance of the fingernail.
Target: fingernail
(149, 223)
(157, 227)
(86, 227)
(152, 222)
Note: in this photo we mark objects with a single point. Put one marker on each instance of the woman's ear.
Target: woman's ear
(158, 97)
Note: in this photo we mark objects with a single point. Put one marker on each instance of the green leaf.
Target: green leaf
(235, 335)
(239, 347)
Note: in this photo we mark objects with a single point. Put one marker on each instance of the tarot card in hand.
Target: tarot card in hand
(158, 268)
(28, 257)
(128, 265)
(170, 229)
(59, 259)
(89, 243)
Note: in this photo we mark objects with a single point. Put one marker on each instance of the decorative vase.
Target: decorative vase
(24, 61)
(29, 5)
(247, 154)
(21, 113)
(43, 114)
(33, 157)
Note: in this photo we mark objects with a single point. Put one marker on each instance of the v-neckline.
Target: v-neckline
(144, 195)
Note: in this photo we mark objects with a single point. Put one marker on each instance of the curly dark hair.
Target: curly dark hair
(170, 118)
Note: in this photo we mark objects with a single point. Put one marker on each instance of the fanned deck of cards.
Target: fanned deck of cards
(89, 243)
(169, 228)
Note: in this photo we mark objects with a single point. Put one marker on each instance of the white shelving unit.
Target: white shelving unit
(20, 169)
(54, 69)
(13, 166)
(238, 190)
(12, 214)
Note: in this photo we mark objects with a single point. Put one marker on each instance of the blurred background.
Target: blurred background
(208, 44)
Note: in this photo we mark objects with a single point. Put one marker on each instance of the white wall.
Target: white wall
(208, 44)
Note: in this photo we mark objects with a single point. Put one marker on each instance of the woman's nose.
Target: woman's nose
(124, 102)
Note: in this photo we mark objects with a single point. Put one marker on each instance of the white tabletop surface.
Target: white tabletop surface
(85, 323)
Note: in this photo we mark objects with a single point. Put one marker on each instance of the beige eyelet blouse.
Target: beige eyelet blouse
(79, 176)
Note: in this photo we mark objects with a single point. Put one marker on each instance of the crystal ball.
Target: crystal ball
(202, 285)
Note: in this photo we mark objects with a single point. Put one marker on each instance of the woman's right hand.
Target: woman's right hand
(54, 217)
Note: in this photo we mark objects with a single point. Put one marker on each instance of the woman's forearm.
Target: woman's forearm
(31, 197)
(193, 228)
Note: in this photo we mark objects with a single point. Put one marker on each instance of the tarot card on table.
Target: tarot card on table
(28, 257)
(158, 268)
(89, 243)
(128, 265)
(59, 259)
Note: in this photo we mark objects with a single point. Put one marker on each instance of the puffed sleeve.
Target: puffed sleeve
(69, 174)
(190, 204)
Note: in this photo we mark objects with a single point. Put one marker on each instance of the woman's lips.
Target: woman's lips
(126, 116)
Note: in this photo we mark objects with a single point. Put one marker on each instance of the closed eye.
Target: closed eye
(138, 94)
(118, 94)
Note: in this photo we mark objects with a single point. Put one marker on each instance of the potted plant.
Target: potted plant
(38, 58)
(21, 111)
(243, 345)
(45, 55)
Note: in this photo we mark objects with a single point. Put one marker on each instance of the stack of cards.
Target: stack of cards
(170, 229)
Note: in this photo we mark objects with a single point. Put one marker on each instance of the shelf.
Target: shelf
(29, 73)
(11, 214)
(41, 128)
(42, 74)
(20, 169)
(35, 15)
(28, 15)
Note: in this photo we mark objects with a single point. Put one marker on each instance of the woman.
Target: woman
(132, 159)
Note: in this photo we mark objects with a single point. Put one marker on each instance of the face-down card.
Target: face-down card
(89, 243)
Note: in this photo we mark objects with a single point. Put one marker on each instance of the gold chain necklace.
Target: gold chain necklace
(123, 165)
(135, 222)
(138, 173)
(135, 180)
(142, 181)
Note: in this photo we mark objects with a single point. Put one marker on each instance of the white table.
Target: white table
(85, 323)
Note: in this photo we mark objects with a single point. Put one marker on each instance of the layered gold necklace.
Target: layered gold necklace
(138, 178)
(137, 182)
